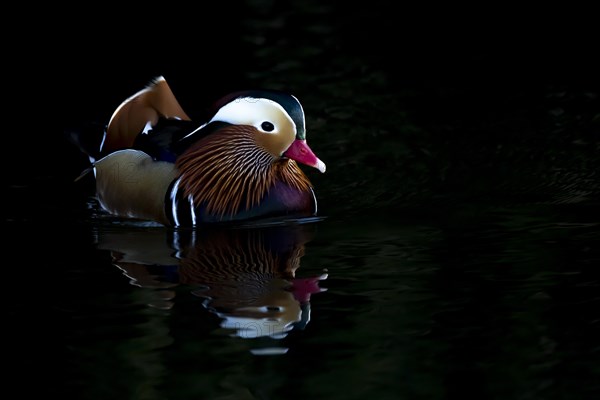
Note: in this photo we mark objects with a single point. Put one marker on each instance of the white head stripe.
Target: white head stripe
(253, 111)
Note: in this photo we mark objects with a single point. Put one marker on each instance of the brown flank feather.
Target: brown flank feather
(229, 170)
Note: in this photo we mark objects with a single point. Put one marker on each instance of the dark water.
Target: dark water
(458, 251)
(497, 302)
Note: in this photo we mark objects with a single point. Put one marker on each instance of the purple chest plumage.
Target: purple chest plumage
(281, 200)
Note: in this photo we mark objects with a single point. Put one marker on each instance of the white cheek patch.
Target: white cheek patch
(252, 111)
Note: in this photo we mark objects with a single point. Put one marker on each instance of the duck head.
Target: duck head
(278, 119)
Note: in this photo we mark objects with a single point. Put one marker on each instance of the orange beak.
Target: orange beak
(300, 152)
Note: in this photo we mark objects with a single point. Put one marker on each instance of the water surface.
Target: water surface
(498, 302)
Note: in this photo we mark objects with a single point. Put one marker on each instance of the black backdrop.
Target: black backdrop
(63, 71)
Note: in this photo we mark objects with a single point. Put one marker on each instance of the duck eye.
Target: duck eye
(267, 126)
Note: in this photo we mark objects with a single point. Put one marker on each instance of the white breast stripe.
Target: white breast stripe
(192, 212)
(174, 202)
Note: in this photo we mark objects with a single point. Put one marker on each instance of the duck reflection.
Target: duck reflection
(246, 276)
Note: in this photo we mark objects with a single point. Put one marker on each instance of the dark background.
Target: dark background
(442, 66)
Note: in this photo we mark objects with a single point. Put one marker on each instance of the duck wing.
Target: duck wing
(135, 113)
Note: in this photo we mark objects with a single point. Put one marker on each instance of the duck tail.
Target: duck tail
(88, 139)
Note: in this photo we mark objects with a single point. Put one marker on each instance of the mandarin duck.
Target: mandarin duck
(155, 163)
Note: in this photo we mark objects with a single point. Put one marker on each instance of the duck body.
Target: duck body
(156, 164)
